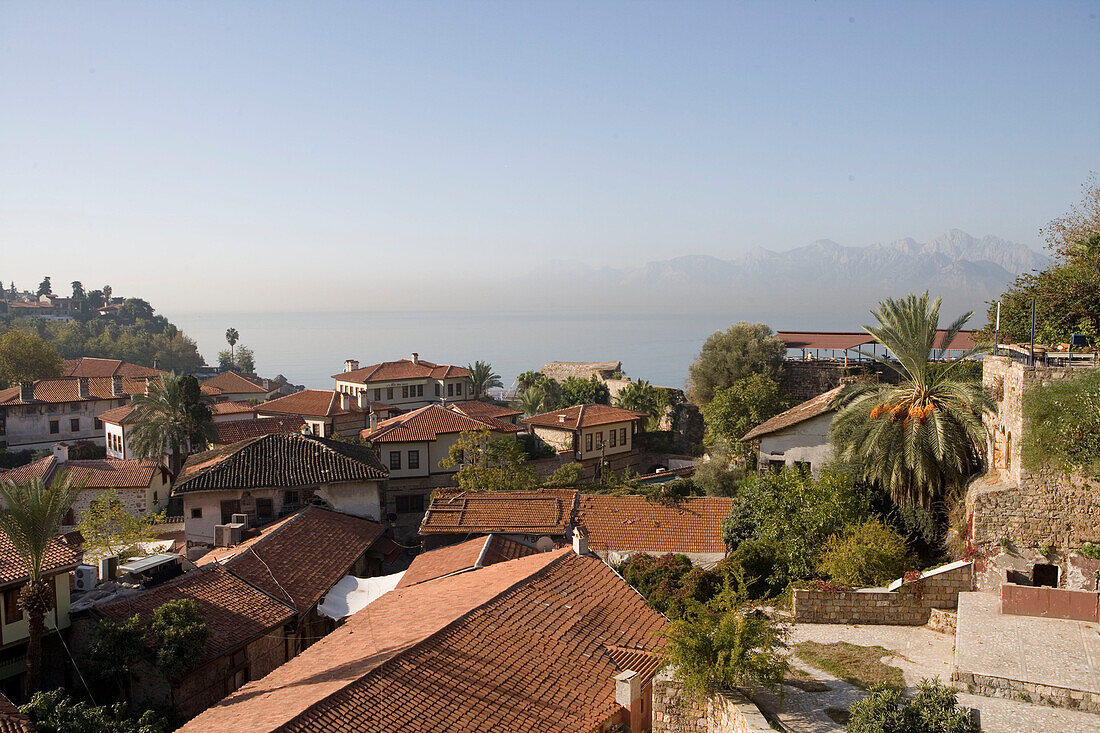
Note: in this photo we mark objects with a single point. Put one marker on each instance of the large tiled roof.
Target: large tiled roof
(635, 523)
(95, 473)
(231, 408)
(235, 431)
(478, 409)
(428, 422)
(583, 416)
(87, 366)
(799, 413)
(316, 403)
(42, 468)
(67, 389)
(545, 511)
(233, 383)
(472, 554)
(280, 460)
(235, 612)
(302, 558)
(12, 720)
(61, 555)
(116, 415)
(394, 371)
(522, 646)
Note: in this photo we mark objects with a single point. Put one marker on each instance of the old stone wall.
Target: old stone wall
(728, 712)
(910, 604)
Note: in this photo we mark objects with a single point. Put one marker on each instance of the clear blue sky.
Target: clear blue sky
(284, 154)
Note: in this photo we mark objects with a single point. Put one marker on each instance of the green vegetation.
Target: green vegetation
(577, 391)
(671, 585)
(241, 360)
(56, 712)
(738, 408)
(567, 474)
(25, 355)
(642, 396)
(716, 477)
(934, 709)
(727, 356)
(490, 462)
(860, 665)
(483, 378)
(172, 417)
(109, 529)
(922, 438)
(115, 645)
(866, 554)
(178, 630)
(1062, 420)
(1089, 550)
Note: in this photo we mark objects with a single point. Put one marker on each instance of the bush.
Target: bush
(670, 584)
(56, 712)
(1062, 421)
(716, 478)
(935, 709)
(1089, 550)
(866, 554)
(765, 573)
(114, 645)
(568, 474)
(179, 631)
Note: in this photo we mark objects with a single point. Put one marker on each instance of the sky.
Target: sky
(212, 156)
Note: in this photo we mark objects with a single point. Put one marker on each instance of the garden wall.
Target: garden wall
(908, 604)
(728, 712)
(1026, 600)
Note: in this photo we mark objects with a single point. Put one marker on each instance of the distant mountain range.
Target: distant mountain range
(822, 285)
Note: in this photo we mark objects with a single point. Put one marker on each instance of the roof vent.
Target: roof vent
(82, 389)
(26, 391)
(561, 418)
(61, 452)
(364, 403)
(415, 358)
(116, 386)
(350, 365)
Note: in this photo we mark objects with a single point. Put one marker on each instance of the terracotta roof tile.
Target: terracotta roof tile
(109, 473)
(395, 371)
(67, 389)
(316, 403)
(479, 410)
(116, 415)
(799, 413)
(61, 555)
(634, 523)
(545, 511)
(42, 468)
(235, 431)
(469, 555)
(426, 423)
(12, 720)
(231, 408)
(583, 416)
(233, 383)
(87, 366)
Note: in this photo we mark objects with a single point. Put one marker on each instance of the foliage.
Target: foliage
(641, 396)
(860, 665)
(172, 416)
(489, 462)
(44, 287)
(179, 632)
(727, 644)
(232, 336)
(527, 379)
(740, 407)
(114, 646)
(532, 401)
(1089, 550)
(742, 350)
(766, 573)
(483, 378)
(567, 474)
(577, 391)
(24, 355)
(533, 447)
(866, 554)
(935, 709)
(56, 712)
(1062, 421)
(109, 529)
(925, 435)
(242, 360)
(670, 584)
(716, 477)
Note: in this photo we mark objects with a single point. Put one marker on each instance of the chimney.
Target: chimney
(305, 429)
(116, 386)
(628, 694)
(345, 401)
(61, 452)
(364, 403)
(580, 541)
(350, 365)
(561, 418)
(415, 358)
(26, 391)
(82, 390)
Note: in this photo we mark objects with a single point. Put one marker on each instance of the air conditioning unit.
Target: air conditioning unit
(108, 567)
(240, 519)
(228, 535)
(86, 577)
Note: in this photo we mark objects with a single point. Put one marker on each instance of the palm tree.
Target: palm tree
(641, 396)
(532, 401)
(31, 517)
(922, 437)
(231, 337)
(483, 377)
(107, 294)
(527, 380)
(172, 416)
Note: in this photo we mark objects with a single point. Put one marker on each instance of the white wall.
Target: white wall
(808, 441)
(28, 426)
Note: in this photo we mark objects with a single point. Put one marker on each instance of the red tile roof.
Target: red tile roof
(42, 468)
(235, 612)
(235, 431)
(469, 555)
(479, 410)
(584, 416)
(87, 366)
(12, 720)
(116, 415)
(545, 511)
(395, 371)
(231, 408)
(522, 646)
(635, 523)
(67, 389)
(316, 403)
(426, 423)
(61, 556)
(233, 383)
(94, 473)
(799, 413)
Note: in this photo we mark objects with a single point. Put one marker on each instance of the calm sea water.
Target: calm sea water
(308, 348)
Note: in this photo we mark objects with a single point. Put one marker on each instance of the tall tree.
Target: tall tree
(78, 290)
(172, 417)
(245, 360)
(532, 401)
(25, 355)
(924, 436)
(107, 294)
(31, 515)
(109, 528)
(742, 350)
(642, 396)
(740, 407)
(231, 337)
(44, 287)
(488, 461)
(577, 391)
(483, 377)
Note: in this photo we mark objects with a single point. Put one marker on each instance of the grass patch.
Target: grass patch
(802, 680)
(860, 665)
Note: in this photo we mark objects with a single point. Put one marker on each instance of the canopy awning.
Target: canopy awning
(351, 594)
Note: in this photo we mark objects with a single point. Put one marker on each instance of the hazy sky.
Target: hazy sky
(300, 155)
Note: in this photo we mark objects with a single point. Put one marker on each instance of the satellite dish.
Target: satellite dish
(545, 544)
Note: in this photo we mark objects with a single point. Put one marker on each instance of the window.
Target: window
(55, 427)
(405, 392)
(414, 459)
(98, 424)
(196, 512)
(377, 395)
(622, 436)
(611, 437)
(265, 508)
(588, 441)
(230, 507)
(410, 504)
(803, 467)
(12, 611)
(450, 390)
(420, 390)
(775, 466)
(74, 425)
(389, 393)
(599, 440)
(291, 497)
(238, 674)
(438, 389)
(458, 388)
(395, 460)
(155, 498)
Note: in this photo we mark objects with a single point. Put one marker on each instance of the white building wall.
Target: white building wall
(808, 442)
(27, 427)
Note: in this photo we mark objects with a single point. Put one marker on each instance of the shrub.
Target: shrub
(716, 478)
(56, 712)
(1090, 550)
(670, 584)
(866, 554)
(568, 474)
(114, 645)
(1062, 421)
(935, 709)
(765, 573)
(179, 631)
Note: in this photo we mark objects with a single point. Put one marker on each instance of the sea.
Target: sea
(309, 347)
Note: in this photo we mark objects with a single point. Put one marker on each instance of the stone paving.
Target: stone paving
(920, 653)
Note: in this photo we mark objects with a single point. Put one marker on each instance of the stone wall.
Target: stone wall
(909, 604)
(728, 712)
(1035, 692)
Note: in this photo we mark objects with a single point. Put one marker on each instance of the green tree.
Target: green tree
(172, 417)
(641, 396)
(245, 360)
(109, 529)
(31, 515)
(26, 356)
(95, 299)
(865, 554)
(567, 474)
(114, 646)
(727, 356)
(488, 461)
(527, 380)
(483, 378)
(107, 291)
(924, 436)
(231, 337)
(577, 391)
(717, 477)
(736, 409)
(532, 401)
(44, 287)
(56, 712)
(934, 709)
(670, 584)
(179, 631)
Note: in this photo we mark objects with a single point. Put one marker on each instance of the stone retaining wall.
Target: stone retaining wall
(728, 712)
(910, 604)
(1062, 697)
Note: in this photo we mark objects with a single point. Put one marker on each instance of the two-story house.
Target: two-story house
(327, 412)
(406, 384)
(588, 431)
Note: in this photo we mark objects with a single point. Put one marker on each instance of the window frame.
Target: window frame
(395, 454)
(414, 459)
(55, 427)
(587, 442)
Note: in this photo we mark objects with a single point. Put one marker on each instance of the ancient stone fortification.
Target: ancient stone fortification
(909, 605)
(675, 712)
(562, 370)
(1027, 508)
